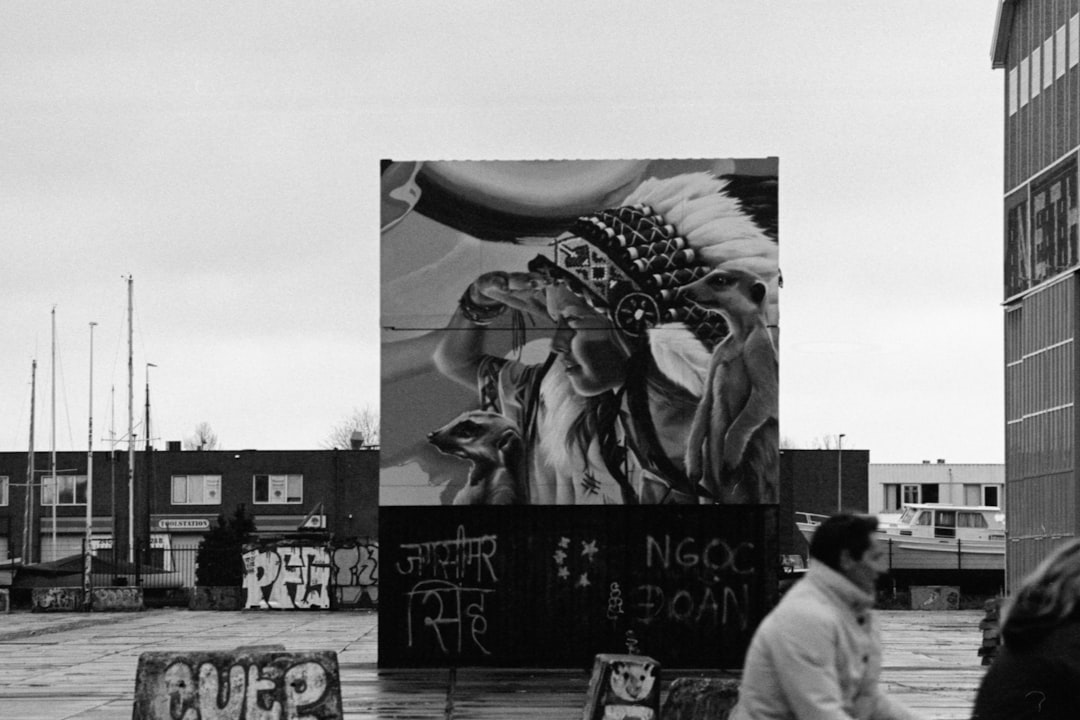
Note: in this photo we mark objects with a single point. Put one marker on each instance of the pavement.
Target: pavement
(74, 666)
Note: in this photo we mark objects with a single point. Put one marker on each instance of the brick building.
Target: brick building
(179, 494)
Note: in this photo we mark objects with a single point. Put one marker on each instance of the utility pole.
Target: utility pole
(840, 472)
(28, 511)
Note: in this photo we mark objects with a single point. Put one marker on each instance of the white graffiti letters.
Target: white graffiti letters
(689, 553)
(452, 559)
(250, 693)
(440, 604)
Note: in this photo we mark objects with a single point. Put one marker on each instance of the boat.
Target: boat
(935, 536)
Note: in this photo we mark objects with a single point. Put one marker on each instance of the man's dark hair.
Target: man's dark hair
(845, 531)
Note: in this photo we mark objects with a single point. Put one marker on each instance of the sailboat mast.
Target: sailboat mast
(28, 512)
(131, 427)
(52, 439)
(88, 563)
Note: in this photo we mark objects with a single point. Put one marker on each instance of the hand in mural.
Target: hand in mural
(517, 290)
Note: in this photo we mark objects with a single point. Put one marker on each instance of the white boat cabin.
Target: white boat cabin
(939, 520)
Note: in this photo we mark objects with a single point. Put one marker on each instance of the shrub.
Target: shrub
(220, 559)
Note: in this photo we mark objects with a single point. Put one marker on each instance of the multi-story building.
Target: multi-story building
(177, 495)
(1037, 45)
(895, 484)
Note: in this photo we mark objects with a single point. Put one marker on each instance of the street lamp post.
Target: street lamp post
(840, 472)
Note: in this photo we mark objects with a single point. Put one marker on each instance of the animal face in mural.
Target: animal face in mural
(590, 351)
(492, 443)
(632, 681)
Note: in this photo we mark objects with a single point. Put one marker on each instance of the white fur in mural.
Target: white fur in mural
(632, 682)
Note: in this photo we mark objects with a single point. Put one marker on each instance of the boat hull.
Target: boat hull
(922, 553)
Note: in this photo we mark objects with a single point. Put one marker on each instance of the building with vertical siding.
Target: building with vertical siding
(1037, 46)
(892, 485)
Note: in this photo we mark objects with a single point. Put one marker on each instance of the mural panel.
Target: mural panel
(580, 333)
(547, 586)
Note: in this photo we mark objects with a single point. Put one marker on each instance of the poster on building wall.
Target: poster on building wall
(1041, 230)
(552, 586)
(579, 332)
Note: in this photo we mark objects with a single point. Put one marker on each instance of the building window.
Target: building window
(1013, 94)
(892, 497)
(1048, 62)
(1059, 52)
(72, 490)
(991, 496)
(196, 490)
(1024, 77)
(279, 489)
(3, 490)
(1074, 41)
(911, 494)
(1036, 72)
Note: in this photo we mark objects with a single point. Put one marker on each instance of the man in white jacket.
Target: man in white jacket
(817, 655)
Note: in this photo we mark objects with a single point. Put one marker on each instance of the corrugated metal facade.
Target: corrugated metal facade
(1041, 122)
(1040, 429)
(1038, 46)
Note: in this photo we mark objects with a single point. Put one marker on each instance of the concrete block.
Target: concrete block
(623, 686)
(56, 599)
(691, 698)
(116, 599)
(217, 597)
(244, 683)
(935, 597)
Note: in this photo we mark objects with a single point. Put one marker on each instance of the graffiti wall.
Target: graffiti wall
(580, 333)
(287, 575)
(356, 573)
(553, 586)
(237, 685)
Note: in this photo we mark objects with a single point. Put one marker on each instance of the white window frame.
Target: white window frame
(278, 486)
(208, 487)
(48, 483)
(3, 490)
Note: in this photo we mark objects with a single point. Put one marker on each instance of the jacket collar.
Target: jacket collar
(837, 586)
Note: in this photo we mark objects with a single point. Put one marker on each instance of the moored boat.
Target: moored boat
(935, 536)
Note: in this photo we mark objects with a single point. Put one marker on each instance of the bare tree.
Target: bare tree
(204, 438)
(826, 442)
(359, 429)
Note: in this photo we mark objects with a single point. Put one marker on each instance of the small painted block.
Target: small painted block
(623, 686)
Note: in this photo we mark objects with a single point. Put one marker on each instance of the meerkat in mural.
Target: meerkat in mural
(733, 447)
(492, 443)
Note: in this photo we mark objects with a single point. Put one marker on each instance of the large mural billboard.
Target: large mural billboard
(579, 332)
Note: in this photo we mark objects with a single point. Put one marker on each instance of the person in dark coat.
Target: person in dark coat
(1037, 673)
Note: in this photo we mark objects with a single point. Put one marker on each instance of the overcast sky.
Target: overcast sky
(226, 157)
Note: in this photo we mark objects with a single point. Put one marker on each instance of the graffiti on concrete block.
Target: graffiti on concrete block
(109, 599)
(238, 686)
(287, 576)
(56, 599)
(356, 573)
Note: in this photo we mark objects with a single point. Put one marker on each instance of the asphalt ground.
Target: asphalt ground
(73, 666)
